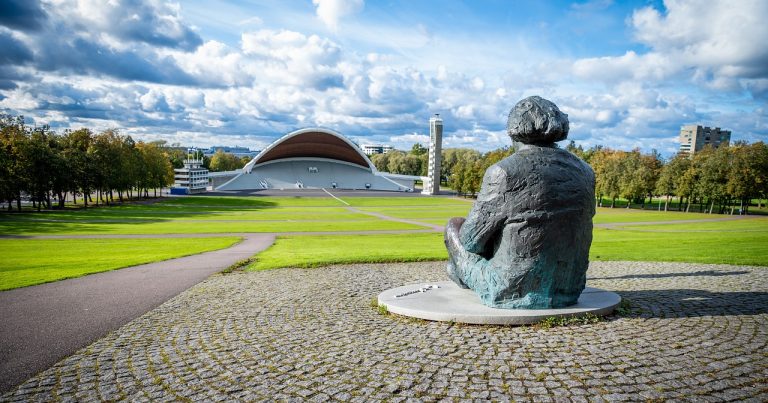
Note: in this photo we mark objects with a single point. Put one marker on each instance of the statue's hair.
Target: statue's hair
(535, 120)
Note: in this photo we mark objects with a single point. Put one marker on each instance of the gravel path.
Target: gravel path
(696, 332)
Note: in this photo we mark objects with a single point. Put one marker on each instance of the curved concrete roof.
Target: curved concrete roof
(313, 142)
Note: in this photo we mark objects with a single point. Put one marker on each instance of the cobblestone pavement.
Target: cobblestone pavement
(695, 332)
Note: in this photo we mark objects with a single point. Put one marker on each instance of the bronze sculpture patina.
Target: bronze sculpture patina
(525, 243)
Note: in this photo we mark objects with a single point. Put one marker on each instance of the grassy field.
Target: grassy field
(34, 261)
(303, 251)
(723, 246)
(716, 243)
(200, 215)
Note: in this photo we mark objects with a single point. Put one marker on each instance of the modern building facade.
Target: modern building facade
(190, 179)
(370, 149)
(693, 138)
(314, 158)
(432, 180)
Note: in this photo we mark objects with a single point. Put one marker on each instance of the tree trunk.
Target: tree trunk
(712, 206)
(666, 204)
(613, 202)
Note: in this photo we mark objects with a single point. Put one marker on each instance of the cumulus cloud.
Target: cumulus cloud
(330, 12)
(23, 15)
(717, 46)
(139, 66)
(294, 58)
(152, 22)
(14, 51)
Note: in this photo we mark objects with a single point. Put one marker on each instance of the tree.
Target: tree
(380, 161)
(75, 150)
(669, 177)
(419, 149)
(13, 139)
(222, 161)
(714, 164)
(159, 171)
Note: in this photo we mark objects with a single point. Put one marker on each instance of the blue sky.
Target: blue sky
(628, 73)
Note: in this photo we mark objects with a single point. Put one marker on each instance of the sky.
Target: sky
(202, 73)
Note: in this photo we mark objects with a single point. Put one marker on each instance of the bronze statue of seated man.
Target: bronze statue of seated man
(525, 243)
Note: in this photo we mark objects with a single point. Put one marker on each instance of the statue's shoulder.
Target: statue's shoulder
(495, 173)
(504, 168)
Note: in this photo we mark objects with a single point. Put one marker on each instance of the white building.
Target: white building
(193, 178)
(370, 149)
(313, 158)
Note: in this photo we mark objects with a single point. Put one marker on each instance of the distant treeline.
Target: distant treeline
(45, 165)
(717, 180)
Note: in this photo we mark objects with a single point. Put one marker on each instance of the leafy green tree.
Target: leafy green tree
(419, 149)
(670, 176)
(222, 161)
(159, 171)
(714, 164)
(75, 150)
(380, 161)
(13, 140)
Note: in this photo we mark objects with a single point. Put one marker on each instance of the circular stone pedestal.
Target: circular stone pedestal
(450, 303)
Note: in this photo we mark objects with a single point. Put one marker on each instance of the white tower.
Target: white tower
(432, 182)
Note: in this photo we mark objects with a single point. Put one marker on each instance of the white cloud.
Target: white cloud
(330, 12)
(717, 45)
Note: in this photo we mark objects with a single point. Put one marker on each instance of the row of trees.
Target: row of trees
(461, 168)
(46, 166)
(714, 180)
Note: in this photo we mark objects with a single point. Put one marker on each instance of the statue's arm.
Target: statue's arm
(487, 217)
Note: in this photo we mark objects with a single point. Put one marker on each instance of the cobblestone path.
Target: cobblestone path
(696, 332)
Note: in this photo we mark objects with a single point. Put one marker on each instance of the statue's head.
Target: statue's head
(534, 120)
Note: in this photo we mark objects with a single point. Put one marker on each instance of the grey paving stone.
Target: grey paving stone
(695, 332)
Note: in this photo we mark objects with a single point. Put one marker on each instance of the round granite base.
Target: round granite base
(447, 302)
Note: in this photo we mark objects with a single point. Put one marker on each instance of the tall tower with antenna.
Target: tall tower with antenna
(432, 182)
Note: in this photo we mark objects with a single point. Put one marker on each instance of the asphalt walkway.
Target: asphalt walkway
(44, 323)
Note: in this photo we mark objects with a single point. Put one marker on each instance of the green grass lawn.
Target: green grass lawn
(737, 248)
(28, 262)
(406, 201)
(746, 246)
(187, 226)
(200, 215)
(606, 215)
(751, 224)
(303, 251)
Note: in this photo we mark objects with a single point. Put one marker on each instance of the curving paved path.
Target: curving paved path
(44, 323)
(695, 333)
